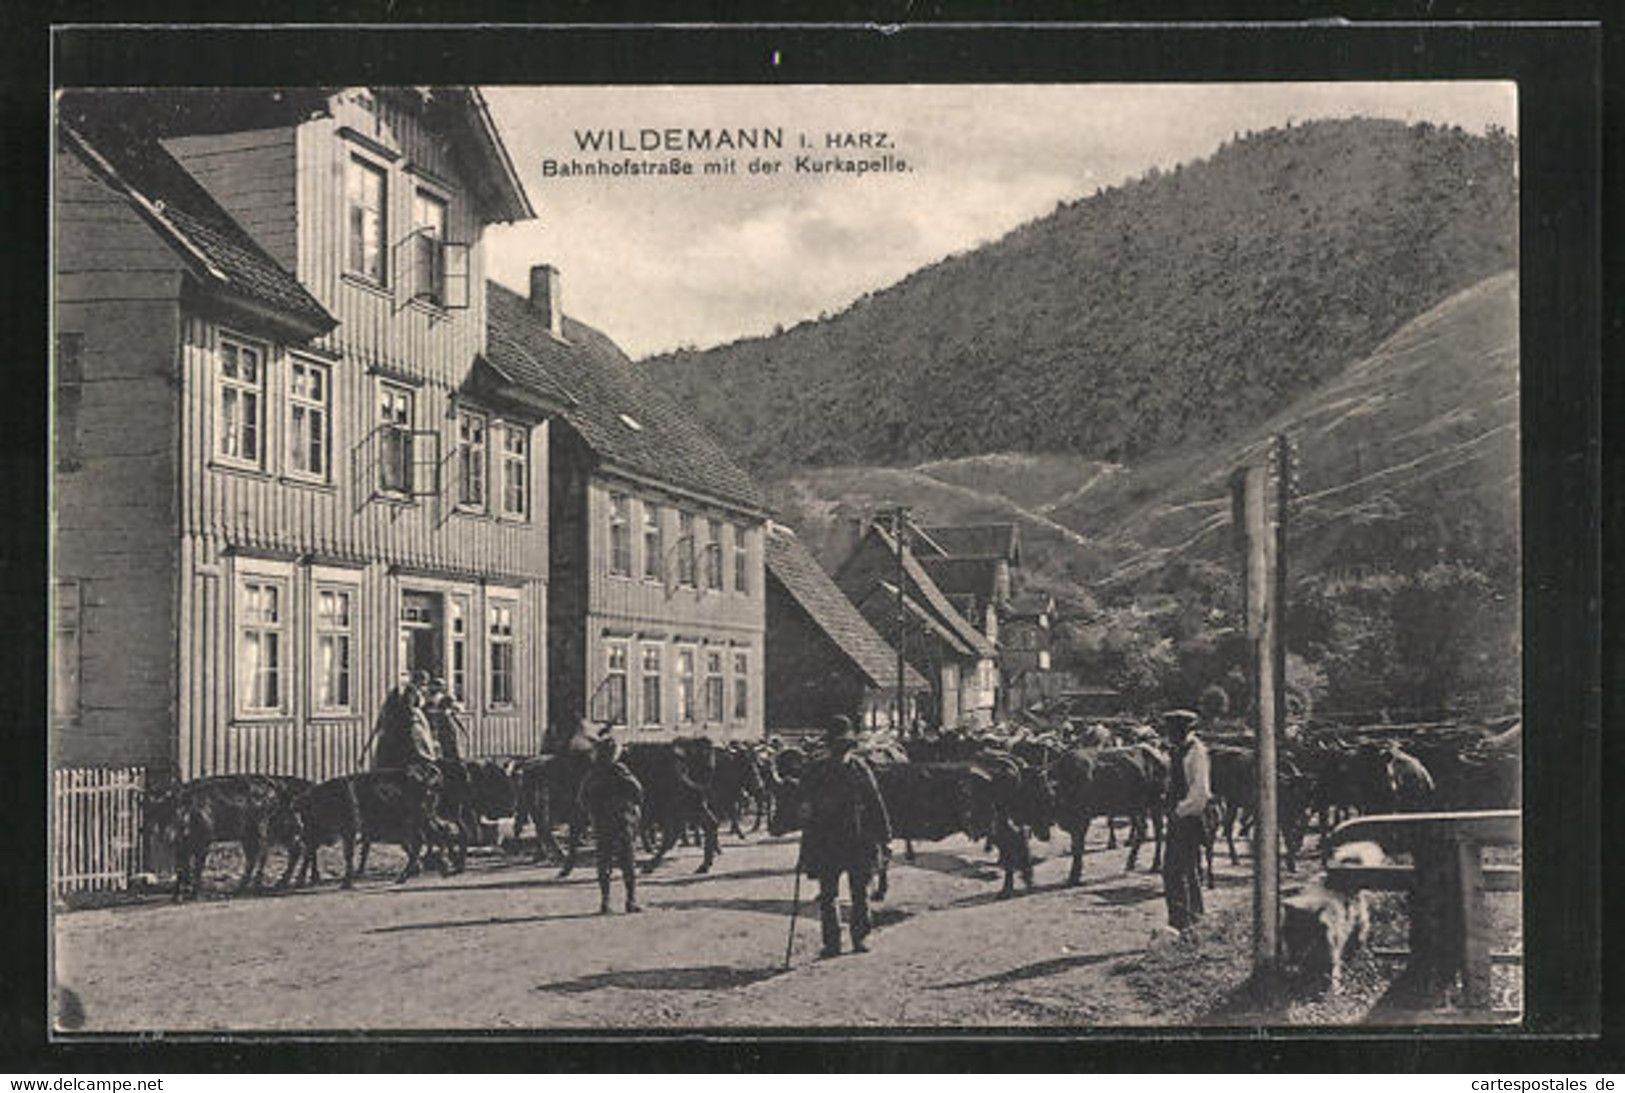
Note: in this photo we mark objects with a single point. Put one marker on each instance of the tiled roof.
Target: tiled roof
(619, 412)
(978, 540)
(936, 601)
(127, 153)
(815, 591)
(976, 577)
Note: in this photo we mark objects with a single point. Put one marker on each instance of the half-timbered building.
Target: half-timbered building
(286, 473)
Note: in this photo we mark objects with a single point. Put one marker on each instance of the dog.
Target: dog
(1319, 926)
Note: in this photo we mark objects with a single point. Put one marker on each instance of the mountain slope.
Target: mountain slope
(1406, 458)
(1176, 309)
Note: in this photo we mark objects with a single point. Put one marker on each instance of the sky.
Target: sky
(658, 262)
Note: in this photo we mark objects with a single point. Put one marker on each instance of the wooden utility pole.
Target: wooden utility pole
(899, 527)
(1266, 602)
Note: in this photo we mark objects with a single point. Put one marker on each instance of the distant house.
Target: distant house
(656, 605)
(823, 656)
(1027, 652)
(958, 658)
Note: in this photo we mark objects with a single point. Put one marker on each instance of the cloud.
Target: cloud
(659, 263)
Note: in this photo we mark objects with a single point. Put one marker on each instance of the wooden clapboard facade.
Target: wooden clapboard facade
(656, 589)
(287, 473)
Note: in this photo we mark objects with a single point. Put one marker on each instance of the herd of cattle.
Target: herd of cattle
(1000, 788)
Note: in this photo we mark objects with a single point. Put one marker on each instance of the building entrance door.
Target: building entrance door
(422, 633)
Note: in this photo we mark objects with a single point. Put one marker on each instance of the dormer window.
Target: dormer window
(366, 190)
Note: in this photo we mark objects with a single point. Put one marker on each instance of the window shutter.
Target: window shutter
(425, 461)
(454, 257)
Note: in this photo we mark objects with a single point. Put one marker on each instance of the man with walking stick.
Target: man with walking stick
(845, 829)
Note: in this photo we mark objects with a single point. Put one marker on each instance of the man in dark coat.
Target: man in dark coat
(441, 710)
(612, 797)
(844, 831)
(1189, 791)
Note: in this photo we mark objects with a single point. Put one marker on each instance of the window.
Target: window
(714, 694)
(685, 549)
(741, 582)
(741, 686)
(652, 545)
(239, 423)
(309, 418)
(615, 683)
(470, 459)
(262, 624)
(651, 684)
(335, 619)
(365, 198)
(515, 471)
(685, 684)
(70, 381)
(428, 247)
(395, 438)
(501, 659)
(713, 556)
(65, 651)
(620, 535)
(457, 618)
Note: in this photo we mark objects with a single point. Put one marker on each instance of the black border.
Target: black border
(1558, 69)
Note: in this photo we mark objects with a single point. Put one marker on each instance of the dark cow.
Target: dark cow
(546, 788)
(398, 805)
(251, 809)
(1233, 778)
(928, 801)
(735, 780)
(1091, 782)
(676, 779)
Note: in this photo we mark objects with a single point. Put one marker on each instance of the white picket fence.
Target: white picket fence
(96, 829)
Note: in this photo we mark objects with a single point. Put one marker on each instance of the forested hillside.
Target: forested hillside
(1176, 309)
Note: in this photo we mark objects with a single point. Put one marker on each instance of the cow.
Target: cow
(676, 779)
(736, 779)
(1233, 778)
(1090, 782)
(250, 809)
(927, 801)
(546, 792)
(397, 805)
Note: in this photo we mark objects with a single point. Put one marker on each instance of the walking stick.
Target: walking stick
(795, 909)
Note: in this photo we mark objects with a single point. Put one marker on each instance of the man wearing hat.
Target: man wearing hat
(845, 831)
(441, 710)
(1188, 793)
(612, 797)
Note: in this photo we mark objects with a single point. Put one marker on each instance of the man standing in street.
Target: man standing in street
(612, 797)
(1188, 793)
(845, 830)
(441, 710)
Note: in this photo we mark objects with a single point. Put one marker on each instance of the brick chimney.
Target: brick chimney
(546, 297)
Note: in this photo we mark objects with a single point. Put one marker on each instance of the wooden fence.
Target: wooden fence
(96, 828)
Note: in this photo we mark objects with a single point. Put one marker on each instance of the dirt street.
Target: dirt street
(506, 945)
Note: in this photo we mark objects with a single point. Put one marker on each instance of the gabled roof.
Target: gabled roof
(126, 154)
(460, 114)
(884, 594)
(968, 634)
(978, 541)
(612, 403)
(976, 577)
(814, 590)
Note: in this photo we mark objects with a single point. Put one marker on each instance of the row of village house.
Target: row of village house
(304, 447)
